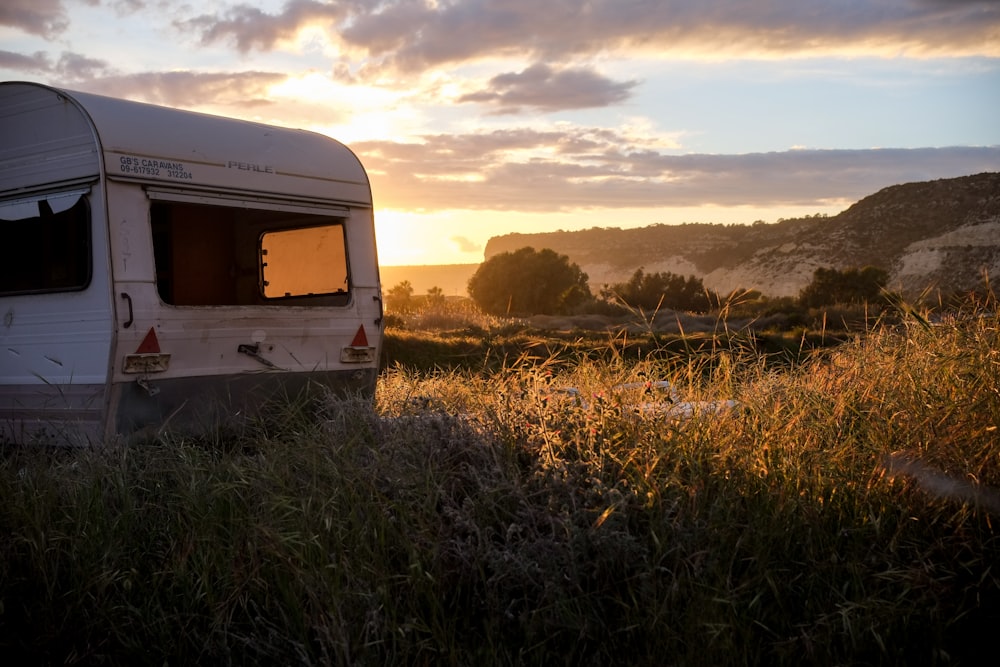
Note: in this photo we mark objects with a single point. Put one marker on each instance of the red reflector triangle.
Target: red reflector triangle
(149, 344)
(360, 338)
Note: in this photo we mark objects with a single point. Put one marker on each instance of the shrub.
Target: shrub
(526, 282)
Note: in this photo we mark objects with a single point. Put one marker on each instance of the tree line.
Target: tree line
(543, 282)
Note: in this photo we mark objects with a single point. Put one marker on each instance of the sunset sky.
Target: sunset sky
(477, 118)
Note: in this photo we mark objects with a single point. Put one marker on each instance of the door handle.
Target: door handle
(131, 319)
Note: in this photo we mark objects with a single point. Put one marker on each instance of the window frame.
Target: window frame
(323, 214)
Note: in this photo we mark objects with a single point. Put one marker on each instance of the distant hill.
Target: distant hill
(941, 234)
(451, 278)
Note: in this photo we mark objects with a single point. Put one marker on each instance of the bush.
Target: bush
(653, 291)
(526, 282)
(850, 286)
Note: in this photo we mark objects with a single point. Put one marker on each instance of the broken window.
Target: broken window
(220, 254)
(47, 243)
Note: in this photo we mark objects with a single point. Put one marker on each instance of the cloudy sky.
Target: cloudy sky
(480, 117)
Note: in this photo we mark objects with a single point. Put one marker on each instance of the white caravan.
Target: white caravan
(168, 268)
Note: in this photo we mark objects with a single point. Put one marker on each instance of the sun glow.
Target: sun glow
(349, 113)
(402, 238)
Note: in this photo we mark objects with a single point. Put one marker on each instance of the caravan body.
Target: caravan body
(162, 267)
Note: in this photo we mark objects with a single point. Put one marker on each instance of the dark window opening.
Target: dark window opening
(47, 245)
(209, 255)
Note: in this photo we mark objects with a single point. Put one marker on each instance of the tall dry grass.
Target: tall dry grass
(549, 512)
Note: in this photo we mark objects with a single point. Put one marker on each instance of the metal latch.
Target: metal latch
(253, 351)
(150, 389)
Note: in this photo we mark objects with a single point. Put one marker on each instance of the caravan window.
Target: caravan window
(219, 254)
(47, 244)
(300, 262)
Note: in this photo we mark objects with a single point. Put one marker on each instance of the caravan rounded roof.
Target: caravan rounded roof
(62, 135)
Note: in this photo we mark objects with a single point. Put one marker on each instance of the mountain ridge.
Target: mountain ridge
(941, 234)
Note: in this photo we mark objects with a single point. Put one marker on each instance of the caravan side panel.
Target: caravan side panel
(55, 332)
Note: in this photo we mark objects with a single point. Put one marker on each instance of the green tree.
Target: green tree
(528, 282)
(660, 290)
(850, 286)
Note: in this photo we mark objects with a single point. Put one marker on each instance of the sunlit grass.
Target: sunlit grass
(546, 510)
(445, 314)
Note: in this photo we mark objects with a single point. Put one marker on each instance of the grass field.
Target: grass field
(481, 513)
